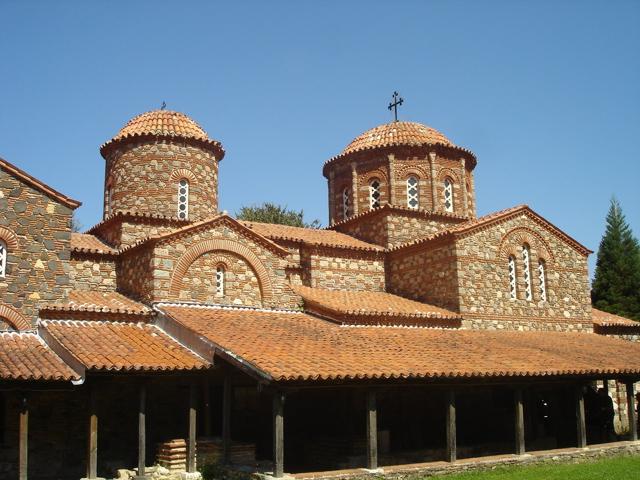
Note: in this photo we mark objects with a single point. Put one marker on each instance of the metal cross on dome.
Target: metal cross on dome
(397, 100)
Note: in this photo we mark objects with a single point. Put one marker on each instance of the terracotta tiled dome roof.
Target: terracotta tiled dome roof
(396, 134)
(164, 123)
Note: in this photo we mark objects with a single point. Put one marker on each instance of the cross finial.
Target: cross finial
(164, 105)
(397, 100)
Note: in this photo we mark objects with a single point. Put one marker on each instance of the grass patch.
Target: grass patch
(615, 468)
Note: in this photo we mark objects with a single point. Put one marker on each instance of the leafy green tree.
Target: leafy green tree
(616, 287)
(271, 213)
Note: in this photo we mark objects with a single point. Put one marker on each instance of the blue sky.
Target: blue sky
(547, 94)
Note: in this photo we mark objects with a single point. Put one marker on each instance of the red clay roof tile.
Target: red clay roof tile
(115, 346)
(299, 347)
(87, 243)
(606, 319)
(24, 356)
(102, 302)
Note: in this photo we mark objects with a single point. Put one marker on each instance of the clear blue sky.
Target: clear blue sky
(547, 94)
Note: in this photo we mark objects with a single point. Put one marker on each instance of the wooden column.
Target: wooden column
(191, 447)
(226, 418)
(451, 425)
(92, 450)
(372, 431)
(142, 432)
(519, 417)
(580, 419)
(278, 434)
(631, 412)
(23, 462)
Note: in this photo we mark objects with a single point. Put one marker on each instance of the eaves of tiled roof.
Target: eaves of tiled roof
(98, 302)
(38, 185)
(90, 244)
(606, 319)
(131, 215)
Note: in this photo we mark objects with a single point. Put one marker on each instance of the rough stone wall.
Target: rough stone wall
(426, 274)
(484, 280)
(37, 270)
(91, 272)
(159, 274)
(372, 229)
(143, 177)
(241, 285)
(344, 269)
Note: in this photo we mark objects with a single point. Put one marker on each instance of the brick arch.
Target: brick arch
(181, 173)
(367, 177)
(515, 238)
(9, 238)
(14, 318)
(193, 253)
(447, 172)
(405, 171)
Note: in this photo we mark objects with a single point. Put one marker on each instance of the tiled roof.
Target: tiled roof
(490, 219)
(116, 346)
(310, 236)
(86, 243)
(300, 347)
(165, 123)
(101, 302)
(381, 307)
(24, 356)
(606, 319)
(394, 134)
(38, 185)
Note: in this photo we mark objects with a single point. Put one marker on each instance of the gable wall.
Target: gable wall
(484, 282)
(38, 270)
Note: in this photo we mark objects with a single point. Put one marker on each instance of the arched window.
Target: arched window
(448, 195)
(374, 193)
(542, 280)
(526, 266)
(183, 199)
(346, 203)
(513, 289)
(413, 199)
(3, 259)
(220, 281)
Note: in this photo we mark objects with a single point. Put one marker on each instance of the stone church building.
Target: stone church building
(409, 331)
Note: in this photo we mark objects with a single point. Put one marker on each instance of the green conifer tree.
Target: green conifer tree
(616, 287)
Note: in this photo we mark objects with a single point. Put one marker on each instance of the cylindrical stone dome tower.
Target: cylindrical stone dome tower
(403, 164)
(162, 163)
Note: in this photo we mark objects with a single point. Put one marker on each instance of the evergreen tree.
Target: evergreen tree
(272, 213)
(616, 287)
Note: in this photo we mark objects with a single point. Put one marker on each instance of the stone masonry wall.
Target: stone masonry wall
(37, 270)
(326, 268)
(425, 274)
(92, 273)
(161, 273)
(143, 177)
(484, 280)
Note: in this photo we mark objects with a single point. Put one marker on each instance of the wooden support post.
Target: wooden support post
(92, 450)
(193, 410)
(206, 400)
(278, 434)
(372, 431)
(451, 425)
(226, 418)
(631, 413)
(24, 440)
(582, 429)
(519, 411)
(142, 432)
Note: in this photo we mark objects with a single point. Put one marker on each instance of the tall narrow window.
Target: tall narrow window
(512, 278)
(3, 259)
(220, 281)
(526, 272)
(542, 280)
(346, 203)
(448, 195)
(183, 199)
(374, 194)
(412, 192)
